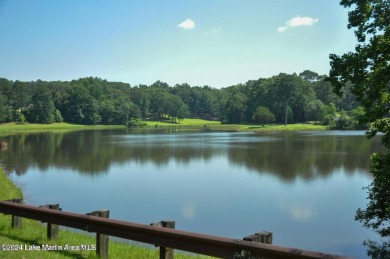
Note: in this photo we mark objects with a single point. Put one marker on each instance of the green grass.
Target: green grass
(183, 123)
(34, 233)
(271, 127)
(289, 127)
(13, 127)
(216, 125)
(7, 189)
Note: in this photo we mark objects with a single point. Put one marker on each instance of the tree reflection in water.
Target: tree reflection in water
(285, 155)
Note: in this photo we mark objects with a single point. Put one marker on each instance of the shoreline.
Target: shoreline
(196, 124)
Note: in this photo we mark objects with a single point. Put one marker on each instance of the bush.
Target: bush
(136, 123)
(58, 116)
(20, 119)
(263, 115)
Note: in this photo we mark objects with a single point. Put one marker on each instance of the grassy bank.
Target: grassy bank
(289, 127)
(34, 233)
(183, 123)
(11, 128)
(216, 125)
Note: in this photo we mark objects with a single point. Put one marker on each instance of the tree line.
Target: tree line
(284, 98)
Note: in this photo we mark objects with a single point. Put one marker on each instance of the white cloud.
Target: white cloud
(298, 212)
(188, 212)
(298, 21)
(187, 24)
(301, 213)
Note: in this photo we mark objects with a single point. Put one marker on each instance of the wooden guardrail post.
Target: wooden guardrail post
(101, 239)
(165, 252)
(52, 229)
(16, 221)
(264, 237)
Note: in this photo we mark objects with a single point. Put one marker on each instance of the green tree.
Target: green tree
(20, 96)
(140, 97)
(116, 108)
(19, 117)
(234, 105)
(263, 115)
(368, 70)
(5, 87)
(310, 76)
(357, 116)
(315, 110)
(60, 94)
(182, 112)
(176, 108)
(4, 109)
(158, 101)
(285, 91)
(257, 93)
(287, 97)
(80, 107)
(343, 121)
(42, 106)
(5, 93)
(204, 101)
(161, 85)
(330, 114)
(348, 100)
(58, 116)
(324, 92)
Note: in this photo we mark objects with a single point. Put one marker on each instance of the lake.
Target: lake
(304, 187)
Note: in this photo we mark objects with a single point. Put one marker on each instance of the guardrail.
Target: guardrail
(155, 234)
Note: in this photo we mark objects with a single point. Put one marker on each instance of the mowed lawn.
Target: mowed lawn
(217, 125)
(12, 127)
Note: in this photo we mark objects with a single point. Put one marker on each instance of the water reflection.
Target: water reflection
(303, 186)
(288, 156)
(306, 155)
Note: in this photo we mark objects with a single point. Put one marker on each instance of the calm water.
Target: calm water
(304, 186)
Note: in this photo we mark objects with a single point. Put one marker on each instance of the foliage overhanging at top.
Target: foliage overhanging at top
(368, 69)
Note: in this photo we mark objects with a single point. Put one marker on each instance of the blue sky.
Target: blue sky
(216, 43)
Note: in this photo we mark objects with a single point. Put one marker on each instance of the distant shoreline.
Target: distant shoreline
(198, 124)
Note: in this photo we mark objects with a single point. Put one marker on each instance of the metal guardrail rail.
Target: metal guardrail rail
(182, 240)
